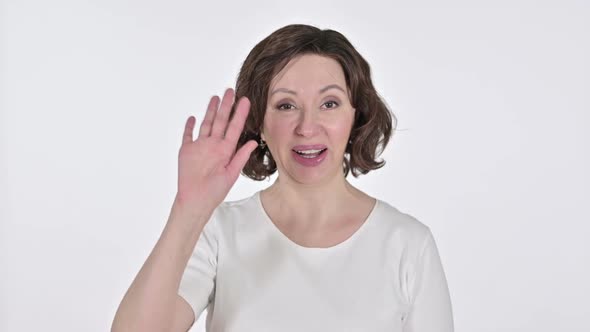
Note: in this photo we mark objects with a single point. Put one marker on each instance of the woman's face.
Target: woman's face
(308, 119)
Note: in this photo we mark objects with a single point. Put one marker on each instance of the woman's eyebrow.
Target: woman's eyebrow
(322, 90)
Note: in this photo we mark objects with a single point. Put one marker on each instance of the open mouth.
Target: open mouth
(310, 154)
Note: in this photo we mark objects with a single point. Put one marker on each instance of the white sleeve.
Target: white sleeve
(430, 309)
(197, 285)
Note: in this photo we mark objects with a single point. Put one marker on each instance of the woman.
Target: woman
(311, 252)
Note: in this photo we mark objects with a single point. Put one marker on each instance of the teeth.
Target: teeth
(309, 151)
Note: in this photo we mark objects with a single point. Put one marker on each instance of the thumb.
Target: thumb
(241, 157)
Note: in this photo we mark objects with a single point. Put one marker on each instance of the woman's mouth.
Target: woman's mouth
(310, 157)
(310, 153)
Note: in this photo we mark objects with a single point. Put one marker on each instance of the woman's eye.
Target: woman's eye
(280, 107)
(286, 106)
(331, 102)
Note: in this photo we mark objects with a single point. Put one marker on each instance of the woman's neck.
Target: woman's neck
(310, 206)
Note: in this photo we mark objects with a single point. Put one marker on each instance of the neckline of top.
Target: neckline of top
(297, 246)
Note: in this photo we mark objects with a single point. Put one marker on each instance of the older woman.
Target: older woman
(311, 252)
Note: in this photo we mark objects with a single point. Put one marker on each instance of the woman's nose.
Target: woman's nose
(307, 125)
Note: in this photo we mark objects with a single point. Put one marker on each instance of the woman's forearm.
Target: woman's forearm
(148, 304)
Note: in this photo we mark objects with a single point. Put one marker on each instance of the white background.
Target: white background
(491, 151)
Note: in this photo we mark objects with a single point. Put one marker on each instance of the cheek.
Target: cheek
(340, 131)
(276, 129)
(340, 136)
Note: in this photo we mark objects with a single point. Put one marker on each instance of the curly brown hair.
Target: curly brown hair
(373, 123)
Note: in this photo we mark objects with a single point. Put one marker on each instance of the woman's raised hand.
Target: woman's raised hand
(210, 165)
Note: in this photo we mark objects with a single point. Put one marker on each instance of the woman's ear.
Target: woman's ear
(262, 136)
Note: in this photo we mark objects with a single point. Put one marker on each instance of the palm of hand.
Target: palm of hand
(210, 165)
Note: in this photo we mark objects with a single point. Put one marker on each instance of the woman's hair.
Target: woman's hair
(372, 126)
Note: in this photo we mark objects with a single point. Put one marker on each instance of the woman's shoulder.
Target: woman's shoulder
(237, 209)
(393, 220)
(240, 205)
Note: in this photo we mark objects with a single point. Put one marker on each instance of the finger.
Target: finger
(240, 158)
(205, 129)
(222, 115)
(188, 130)
(236, 125)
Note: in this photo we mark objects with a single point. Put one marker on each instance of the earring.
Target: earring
(262, 144)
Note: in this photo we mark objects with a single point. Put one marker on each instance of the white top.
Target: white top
(251, 277)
